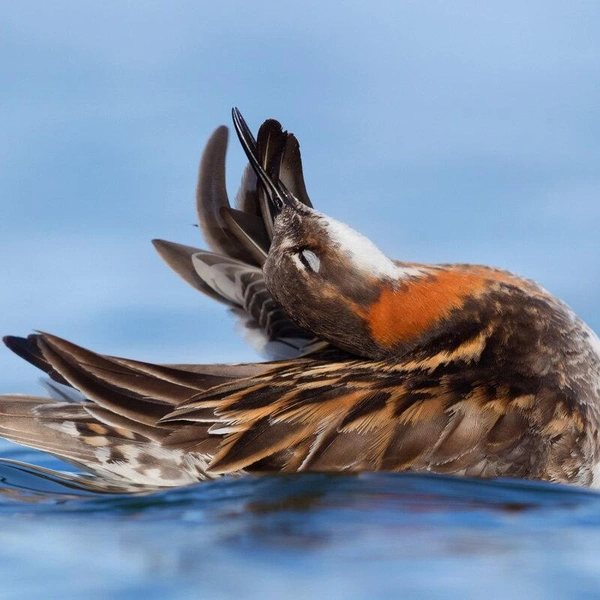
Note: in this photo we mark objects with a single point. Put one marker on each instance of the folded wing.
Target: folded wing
(166, 425)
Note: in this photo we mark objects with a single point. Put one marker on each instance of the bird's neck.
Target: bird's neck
(409, 309)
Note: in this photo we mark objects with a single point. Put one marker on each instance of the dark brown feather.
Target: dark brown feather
(244, 236)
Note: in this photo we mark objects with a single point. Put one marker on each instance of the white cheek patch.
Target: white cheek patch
(363, 253)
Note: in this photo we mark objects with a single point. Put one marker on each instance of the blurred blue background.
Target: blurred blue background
(444, 131)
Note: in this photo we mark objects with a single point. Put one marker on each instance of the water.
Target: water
(298, 536)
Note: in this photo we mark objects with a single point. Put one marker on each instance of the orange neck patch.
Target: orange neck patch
(402, 315)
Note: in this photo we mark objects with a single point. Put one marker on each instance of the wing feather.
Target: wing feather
(374, 416)
(240, 238)
(170, 423)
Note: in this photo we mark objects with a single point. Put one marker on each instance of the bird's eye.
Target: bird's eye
(310, 260)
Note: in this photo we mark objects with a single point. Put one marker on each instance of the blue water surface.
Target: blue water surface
(299, 536)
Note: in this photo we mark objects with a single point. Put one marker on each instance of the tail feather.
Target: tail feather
(193, 375)
(47, 425)
(114, 430)
(290, 171)
(179, 258)
(35, 482)
(77, 361)
(250, 233)
(240, 238)
(211, 197)
(28, 350)
(103, 391)
(71, 433)
(246, 198)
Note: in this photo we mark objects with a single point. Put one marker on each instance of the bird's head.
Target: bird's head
(327, 276)
(337, 284)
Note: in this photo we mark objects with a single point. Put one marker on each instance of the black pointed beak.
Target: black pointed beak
(278, 195)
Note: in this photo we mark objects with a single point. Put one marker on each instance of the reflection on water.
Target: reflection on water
(308, 536)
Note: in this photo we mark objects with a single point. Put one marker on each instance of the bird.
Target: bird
(374, 364)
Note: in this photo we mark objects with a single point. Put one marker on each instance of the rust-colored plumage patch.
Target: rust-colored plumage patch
(401, 314)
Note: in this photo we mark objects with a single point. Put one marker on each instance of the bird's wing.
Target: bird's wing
(162, 425)
(240, 238)
(363, 415)
(114, 431)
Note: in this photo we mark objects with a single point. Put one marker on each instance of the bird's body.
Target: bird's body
(384, 365)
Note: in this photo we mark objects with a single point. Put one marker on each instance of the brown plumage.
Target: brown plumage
(384, 365)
